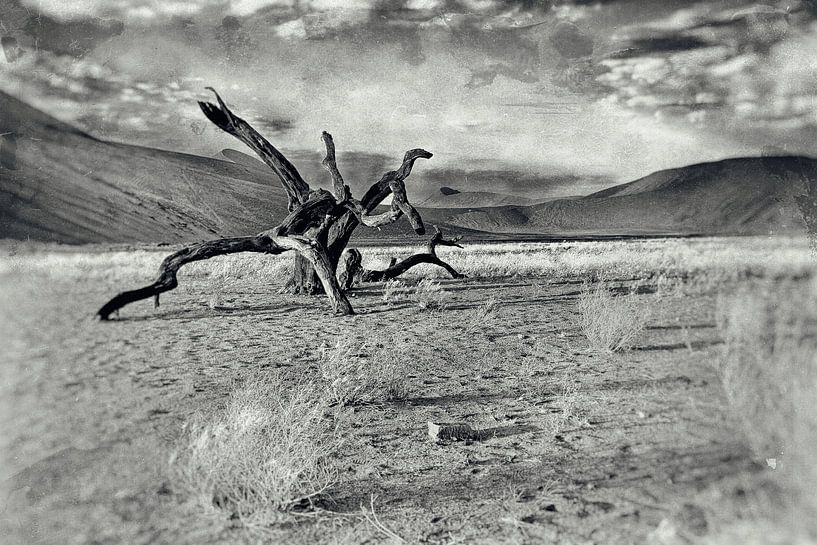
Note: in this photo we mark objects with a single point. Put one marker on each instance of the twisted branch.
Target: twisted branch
(341, 190)
(172, 263)
(295, 186)
(352, 269)
(268, 242)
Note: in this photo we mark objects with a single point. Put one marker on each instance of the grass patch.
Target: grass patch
(769, 374)
(429, 295)
(356, 372)
(265, 453)
(394, 291)
(482, 316)
(611, 322)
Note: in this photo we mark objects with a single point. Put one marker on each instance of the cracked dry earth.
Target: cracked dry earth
(590, 448)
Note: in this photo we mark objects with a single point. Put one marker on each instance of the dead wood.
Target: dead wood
(349, 268)
(396, 268)
(318, 226)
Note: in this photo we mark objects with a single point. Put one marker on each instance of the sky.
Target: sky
(533, 97)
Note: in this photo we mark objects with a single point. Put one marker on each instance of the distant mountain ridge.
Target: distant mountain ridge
(754, 195)
(448, 197)
(58, 183)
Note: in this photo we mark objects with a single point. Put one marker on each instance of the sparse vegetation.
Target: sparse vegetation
(267, 451)
(482, 315)
(521, 369)
(429, 295)
(611, 322)
(573, 407)
(711, 261)
(355, 372)
(394, 291)
(769, 374)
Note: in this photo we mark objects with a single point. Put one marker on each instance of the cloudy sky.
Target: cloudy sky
(529, 96)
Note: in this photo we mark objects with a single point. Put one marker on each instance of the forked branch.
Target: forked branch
(295, 186)
(438, 240)
(381, 189)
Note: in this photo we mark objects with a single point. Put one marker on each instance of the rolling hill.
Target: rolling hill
(447, 197)
(755, 195)
(60, 184)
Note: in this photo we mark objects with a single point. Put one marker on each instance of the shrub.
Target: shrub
(611, 323)
(482, 315)
(769, 374)
(393, 291)
(768, 370)
(429, 295)
(267, 451)
(356, 373)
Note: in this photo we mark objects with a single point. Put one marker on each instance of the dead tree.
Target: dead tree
(318, 226)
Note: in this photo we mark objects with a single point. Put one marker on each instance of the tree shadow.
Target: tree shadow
(694, 345)
(680, 327)
(217, 312)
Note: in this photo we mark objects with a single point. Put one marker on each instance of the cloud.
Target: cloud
(139, 10)
(570, 41)
(243, 8)
(27, 30)
(147, 10)
(487, 86)
(743, 68)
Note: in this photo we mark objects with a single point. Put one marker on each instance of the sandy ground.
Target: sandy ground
(590, 448)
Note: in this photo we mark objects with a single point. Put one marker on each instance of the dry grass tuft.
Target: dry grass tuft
(217, 288)
(769, 374)
(394, 291)
(429, 295)
(266, 452)
(482, 316)
(574, 407)
(356, 372)
(611, 323)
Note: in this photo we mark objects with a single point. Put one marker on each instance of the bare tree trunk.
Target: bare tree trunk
(349, 268)
(304, 280)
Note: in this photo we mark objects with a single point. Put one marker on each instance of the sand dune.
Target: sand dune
(61, 184)
(736, 196)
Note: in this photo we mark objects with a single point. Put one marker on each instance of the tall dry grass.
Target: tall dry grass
(394, 291)
(429, 295)
(355, 371)
(611, 322)
(266, 452)
(769, 374)
(716, 259)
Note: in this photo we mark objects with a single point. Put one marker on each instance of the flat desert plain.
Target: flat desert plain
(612, 388)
